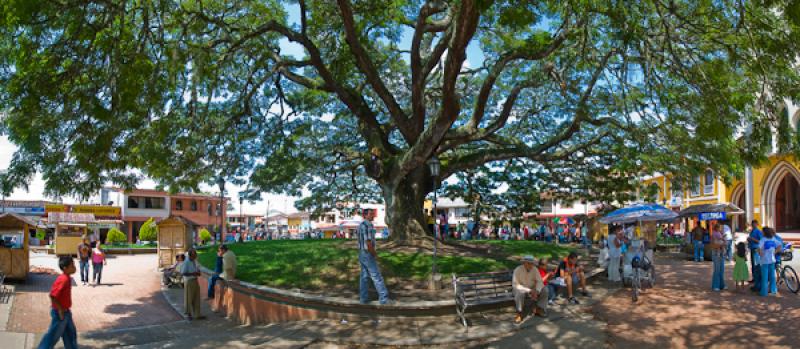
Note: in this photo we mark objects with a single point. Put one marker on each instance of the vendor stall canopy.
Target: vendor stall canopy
(639, 213)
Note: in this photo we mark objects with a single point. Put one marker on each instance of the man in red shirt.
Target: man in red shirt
(61, 325)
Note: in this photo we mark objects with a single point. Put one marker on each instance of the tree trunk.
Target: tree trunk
(404, 204)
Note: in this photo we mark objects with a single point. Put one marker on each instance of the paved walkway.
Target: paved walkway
(566, 327)
(128, 297)
(683, 312)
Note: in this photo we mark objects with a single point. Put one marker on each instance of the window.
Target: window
(696, 186)
(145, 202)
(219, 210)
(210, 211)
(677, 191)
(709, 183)
(547, 206)
(193, 205)
(178, 205)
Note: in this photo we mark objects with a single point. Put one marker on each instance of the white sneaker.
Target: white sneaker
(551, 302)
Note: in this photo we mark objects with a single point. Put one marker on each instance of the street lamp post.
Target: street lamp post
(241, 216)
(221, 184)
(434, 165)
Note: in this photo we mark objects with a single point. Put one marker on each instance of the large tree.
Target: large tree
(355, 96)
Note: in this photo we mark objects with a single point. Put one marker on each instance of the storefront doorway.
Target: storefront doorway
(787, 210)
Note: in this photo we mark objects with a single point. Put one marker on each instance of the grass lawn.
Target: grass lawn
(538, 249)
(322, 264)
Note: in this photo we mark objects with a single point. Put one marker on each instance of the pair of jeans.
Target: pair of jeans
(768, 279)
(755, 270)
(729, 250)
(211, 282)
(60, 329)
(718, 278)
(84, 270)
(369, 270)
(552, 292)
(97, 272)
(699, 253)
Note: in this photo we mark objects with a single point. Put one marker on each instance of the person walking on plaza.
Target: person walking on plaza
(527, 284)
(84, 254)
(368, 259)
(740, 274)
(752, 242)
(225, 269)
(61, 324)
(98, 261)
(697, 241)
(768, 246)
(718, 258)
(191, 289)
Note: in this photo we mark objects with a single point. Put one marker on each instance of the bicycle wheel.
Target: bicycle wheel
(789, 277)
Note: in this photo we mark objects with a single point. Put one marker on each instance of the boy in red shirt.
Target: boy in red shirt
(61, 325)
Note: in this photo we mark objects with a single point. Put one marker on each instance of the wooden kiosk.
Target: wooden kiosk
(174, 237)
(15, 233)
(70, 230)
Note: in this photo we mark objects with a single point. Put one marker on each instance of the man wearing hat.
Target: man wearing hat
(527, 284)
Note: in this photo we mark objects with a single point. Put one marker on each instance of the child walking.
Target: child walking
(61, 324)
(740, 272)
(98, 261)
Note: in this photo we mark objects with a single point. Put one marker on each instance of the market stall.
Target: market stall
(174, 237)
(14, 249)
(711, 214)
(70, 229)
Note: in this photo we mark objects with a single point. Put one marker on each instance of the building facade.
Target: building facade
(139, 205)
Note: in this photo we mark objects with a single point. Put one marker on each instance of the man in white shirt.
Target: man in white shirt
(527, 284)
(728, 234)
(191, 289)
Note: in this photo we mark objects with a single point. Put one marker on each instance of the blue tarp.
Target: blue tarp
(639, 213)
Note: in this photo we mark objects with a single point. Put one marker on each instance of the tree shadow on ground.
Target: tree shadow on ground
(683, 311)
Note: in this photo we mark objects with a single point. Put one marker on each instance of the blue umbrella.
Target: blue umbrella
(639, 213)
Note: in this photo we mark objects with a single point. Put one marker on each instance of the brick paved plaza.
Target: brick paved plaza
(682, 311)
(130, 296)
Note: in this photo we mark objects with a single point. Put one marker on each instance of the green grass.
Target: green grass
(321, 264)
(538, 249)
(316, 264)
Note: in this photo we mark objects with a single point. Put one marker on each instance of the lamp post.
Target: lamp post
(435, 166)
(221, 184)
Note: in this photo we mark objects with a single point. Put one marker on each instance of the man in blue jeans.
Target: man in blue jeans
(698, 233)
(368, 259)
(752, 241)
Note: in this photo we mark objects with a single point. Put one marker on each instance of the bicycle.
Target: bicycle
(787, 275)
(643, 275)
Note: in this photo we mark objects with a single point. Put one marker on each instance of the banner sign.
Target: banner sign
(712, 216)
(97, 210)
(101, 211)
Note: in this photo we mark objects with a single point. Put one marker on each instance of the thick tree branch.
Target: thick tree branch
(365, 64)
(500, 65)
(418, 76)
(464, 27)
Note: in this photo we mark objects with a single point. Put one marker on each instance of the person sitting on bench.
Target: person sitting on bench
(527, 284)
(166, 277)
(572, 273)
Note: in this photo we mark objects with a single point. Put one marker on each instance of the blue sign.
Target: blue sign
(712, 216)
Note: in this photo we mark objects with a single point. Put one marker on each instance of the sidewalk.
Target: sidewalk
(566, 327)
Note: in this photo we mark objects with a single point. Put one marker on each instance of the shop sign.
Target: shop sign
(712, 216)
(98, 211)
(55, 208)
(39, 211)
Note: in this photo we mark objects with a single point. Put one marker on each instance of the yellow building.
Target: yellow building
(769, 193)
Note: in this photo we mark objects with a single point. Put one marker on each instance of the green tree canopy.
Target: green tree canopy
(349, 99)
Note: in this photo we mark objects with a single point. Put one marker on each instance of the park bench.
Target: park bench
(2, 285)
(481, 289)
